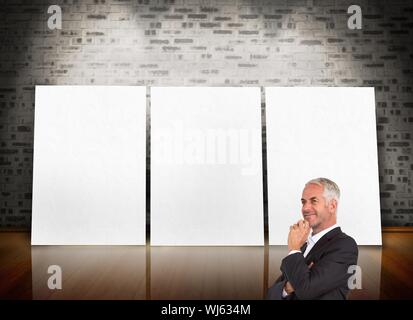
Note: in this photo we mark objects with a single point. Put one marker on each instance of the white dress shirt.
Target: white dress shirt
(311, 241)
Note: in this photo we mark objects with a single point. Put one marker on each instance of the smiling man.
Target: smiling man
(317, 264)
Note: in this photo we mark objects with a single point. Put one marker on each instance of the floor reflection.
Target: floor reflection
(370, 262)
(144, 272)
(90, 272)
(207, 272)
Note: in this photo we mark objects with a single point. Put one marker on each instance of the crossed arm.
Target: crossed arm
(329, 273)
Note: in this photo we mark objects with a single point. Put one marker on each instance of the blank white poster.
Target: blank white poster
(89, 165)
(323, 132)
(206, 166)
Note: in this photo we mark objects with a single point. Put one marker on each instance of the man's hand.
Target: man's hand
(288, 288)
(298, 235)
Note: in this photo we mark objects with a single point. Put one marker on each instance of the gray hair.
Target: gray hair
(331, 189)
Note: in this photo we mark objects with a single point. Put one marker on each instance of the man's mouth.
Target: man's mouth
(309, 215)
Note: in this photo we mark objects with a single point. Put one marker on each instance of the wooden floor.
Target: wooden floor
(144, 272)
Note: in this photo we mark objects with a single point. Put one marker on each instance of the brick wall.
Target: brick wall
(202, 43)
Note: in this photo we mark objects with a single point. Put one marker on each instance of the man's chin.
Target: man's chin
(310, 219)
(313, 224)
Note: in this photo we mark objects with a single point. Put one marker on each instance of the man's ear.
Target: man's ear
(333, 205)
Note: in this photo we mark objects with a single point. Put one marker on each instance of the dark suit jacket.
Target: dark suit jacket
(327, 278)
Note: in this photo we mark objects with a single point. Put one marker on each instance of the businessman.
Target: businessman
(316, 266)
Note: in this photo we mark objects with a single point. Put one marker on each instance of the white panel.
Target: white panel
(89, 165)
(323, 132)
(206, 166)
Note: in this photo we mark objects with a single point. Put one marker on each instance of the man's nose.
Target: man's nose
(306, 208)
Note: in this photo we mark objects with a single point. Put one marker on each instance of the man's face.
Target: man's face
(315, 209)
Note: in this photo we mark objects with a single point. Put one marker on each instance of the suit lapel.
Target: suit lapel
(321, 242)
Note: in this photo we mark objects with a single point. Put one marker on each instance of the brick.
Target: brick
(334, 40)
(209, 9)
(235, 25)
(197, 16)
(173, 17)
(362, 56)
(222, 18)
(248, 16)
(159, 9)
(164, 43)
(183, 10)
(222, 31)
(210, 25)
(8, 151)
(248, 32)
(183, 41)
(97, 16)
(273, 16)
(311, 42)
